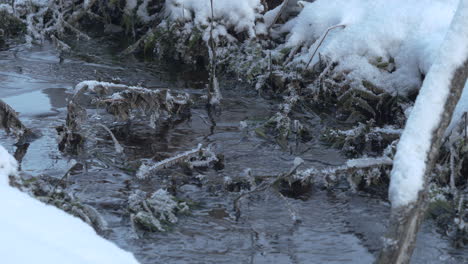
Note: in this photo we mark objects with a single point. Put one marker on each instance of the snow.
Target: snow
(368, 162)
(91, 86)
(142, 12)
(130, 5)
(8, 166)
(240, 14)
(407, 177)
(462, 107)
(408, 32)
(33, 232)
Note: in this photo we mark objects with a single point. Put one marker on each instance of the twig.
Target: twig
(320, 43)
(291, 54)
(144, 171)
(265, 185)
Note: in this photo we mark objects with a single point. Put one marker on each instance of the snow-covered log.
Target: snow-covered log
(420, 142)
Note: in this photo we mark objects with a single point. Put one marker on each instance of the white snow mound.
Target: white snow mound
(33, 232)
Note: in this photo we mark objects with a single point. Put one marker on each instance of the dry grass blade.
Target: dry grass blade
(321, 41)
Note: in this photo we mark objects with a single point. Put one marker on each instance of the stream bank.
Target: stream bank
(329, 226)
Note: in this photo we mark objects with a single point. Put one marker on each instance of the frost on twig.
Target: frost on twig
(145, 171)
(197, 157)
(364, 174)
(362, 139)
(360, 174)
(156, 212)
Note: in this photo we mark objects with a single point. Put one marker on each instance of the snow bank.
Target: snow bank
(33, 232)
(407, 177)
(404, 34)
(239, 15)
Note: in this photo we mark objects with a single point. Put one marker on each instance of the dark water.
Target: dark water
(334, 227)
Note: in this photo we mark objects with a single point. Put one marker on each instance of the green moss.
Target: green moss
(150, 42)
(382, 65)
(128, 22)
(195, 39)
(285, 51)
(260, 131)
(11, 25)
(29, 181)
(442, 212)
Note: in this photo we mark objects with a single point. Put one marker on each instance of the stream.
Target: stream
(334, 227)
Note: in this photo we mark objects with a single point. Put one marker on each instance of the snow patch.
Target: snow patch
(240, 15)
(378, 32)
(33, 232)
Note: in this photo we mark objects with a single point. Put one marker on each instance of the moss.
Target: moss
(195, 39)
(128, 22)
(442, 212)
(382, 65)
(260, 131)
(285, 51)
(150, 41)
(29, 181)
(11, 25)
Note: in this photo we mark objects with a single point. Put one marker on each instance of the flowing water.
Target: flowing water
(334, 227)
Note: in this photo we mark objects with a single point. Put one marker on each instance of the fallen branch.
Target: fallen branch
(145, 171)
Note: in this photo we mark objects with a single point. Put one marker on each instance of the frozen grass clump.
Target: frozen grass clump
(157, 212)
